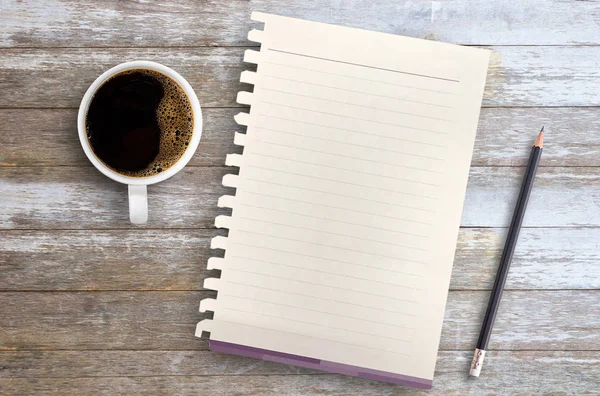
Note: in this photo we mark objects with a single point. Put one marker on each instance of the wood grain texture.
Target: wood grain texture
(101, 320)
(59, 77)
(550, 259)
(106, 260)
(76, 197)
(545, 258)
(91, 305)
(528, 320)
(98, 363)
(188, 23)
(187, 372)
(510, 377)
(81, 197)
(48, 137)
(561, 197)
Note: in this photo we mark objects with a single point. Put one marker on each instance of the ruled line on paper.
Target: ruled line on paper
(352, 170)
(332, 233)
(348, 170)
(356, 171)
(367, 66)
(329, 286)
(338, 181)
(316, 338)
(348, 130)
(353, 118)
(338, 88)
(324, 259)
(340, 195)
(344, 156)
(377, 308)
(344, 116)
(316, 310)
(355, 144)
(358, 105)
(337, 221)
(332, 273)
(332, 246)
(337, 207)
(318, 325)
(370, 80)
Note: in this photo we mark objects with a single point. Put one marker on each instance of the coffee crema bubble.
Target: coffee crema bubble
(139, 122)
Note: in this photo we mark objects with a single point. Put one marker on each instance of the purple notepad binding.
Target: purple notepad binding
(323, 365)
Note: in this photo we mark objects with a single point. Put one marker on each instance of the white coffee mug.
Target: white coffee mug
(138, 198)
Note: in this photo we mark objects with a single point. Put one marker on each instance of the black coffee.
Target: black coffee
(139, 122)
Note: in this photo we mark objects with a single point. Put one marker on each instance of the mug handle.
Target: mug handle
(138, 204)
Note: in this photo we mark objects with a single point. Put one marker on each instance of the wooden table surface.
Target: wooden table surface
(90, 304)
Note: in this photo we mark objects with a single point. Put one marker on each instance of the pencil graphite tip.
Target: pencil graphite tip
(539, 141)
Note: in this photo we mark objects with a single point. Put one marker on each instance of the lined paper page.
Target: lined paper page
(349, 195)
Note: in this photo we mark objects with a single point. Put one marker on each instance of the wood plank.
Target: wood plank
(101, 320)
(106, 260)
(75, 197)
(516, 373)
(73, 364)
(504, 136)
(542, 76)
(517, 76)
(59, 77)
(528, 320)
(48, 137)
(532, 368)
(188, 23)
(550, 259)
(545, 258)
(561, 197)
(81, 197)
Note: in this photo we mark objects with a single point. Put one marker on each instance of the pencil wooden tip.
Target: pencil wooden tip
(539, 142)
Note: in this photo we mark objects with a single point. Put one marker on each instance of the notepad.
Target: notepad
(348, 200)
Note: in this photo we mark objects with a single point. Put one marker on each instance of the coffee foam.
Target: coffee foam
(176, 123)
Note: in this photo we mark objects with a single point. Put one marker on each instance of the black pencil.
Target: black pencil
(509, 248)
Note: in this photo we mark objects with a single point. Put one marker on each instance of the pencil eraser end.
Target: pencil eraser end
(475, 372)
(477, 363)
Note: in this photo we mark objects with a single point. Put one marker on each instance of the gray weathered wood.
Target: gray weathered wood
(105, 260)
(91, 305)
(571, 139)
(133, 373)
(517, 76)
(512, 371)
(59, 77)
(555, 258)
(188, 23)
(561, 197)
(542, 76)
(48, 137)
(101, 320)
(81, 197)
(98, 363)
(545, 258)
(539, 320)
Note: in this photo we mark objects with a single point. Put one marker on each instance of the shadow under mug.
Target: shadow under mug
(138, 196)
